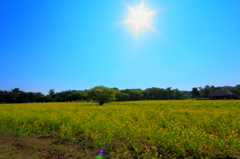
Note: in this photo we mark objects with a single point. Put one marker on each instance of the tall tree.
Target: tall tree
(16, 90)
(178, 94)
(11, 97)
(120, 96)
(101, 94)
(134, 94)
(205, 92)
(195, 92)
(2, 96)
(236, 89)
(77, 95)
(52, 95)
(212, 89)
(51, 92)
(152, 93)
(170, 93)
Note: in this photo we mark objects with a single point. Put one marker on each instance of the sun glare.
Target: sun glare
(139, 18)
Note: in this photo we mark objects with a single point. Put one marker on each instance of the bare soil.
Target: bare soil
(30, 147)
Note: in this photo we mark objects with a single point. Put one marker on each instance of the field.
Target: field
(138, 129)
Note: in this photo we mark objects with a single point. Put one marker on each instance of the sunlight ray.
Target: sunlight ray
(139, 18)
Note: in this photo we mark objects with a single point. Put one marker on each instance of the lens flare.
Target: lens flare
(139, 18)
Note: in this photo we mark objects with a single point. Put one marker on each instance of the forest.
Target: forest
(154, 93)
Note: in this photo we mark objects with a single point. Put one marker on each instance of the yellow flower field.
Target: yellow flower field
(137, 129)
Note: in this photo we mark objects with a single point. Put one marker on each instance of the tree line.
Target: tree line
(154, 93)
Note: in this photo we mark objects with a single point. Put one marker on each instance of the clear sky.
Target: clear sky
(79, 44)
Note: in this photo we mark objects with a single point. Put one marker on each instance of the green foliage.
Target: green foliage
(18, 96)
(178, 94)
(51, 92)
(204, 92)
(170, 93)
(195, 92)
(187, 94)
(43, 99)
(101, 94)
(77, 95)
(134, 94)
(156, 94)
(120, 96)
(52, 95)
(236, 89)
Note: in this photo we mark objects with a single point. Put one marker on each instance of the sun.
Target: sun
(139, 18)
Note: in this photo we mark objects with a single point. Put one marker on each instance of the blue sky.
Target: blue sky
(80, 44)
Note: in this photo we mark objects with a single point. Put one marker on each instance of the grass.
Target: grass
(137, 129)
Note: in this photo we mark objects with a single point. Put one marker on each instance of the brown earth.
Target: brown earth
(30, 147)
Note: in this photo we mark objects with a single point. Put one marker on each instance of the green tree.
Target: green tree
(52, 95)
(151, 93)
(16, 90)
(11, 97)
(187, 94)
(51, 92)
(156, 94)
(101, 94)
(170, 92)
(236, 89)
(163, 94)
(204, 92)
(212, 89)
(227, 87)
(134, 94)
(195, 92)
(77, 95)
(120, 96)
(178, 94)
(2, 96)
(43, 99)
